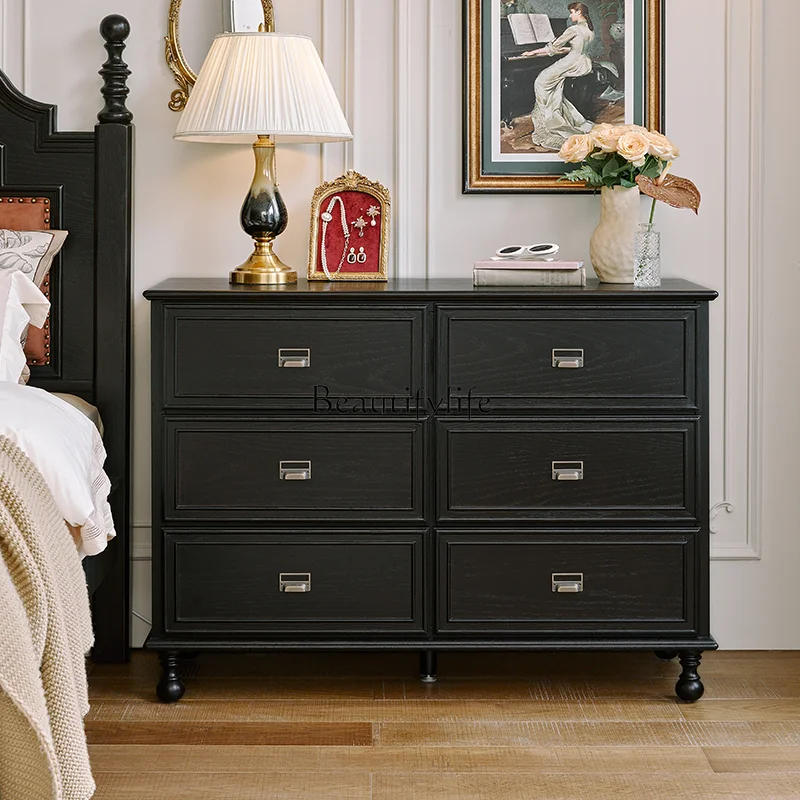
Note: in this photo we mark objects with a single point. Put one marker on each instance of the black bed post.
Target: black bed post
(113, 176)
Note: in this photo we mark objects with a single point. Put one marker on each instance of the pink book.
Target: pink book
(521, 263)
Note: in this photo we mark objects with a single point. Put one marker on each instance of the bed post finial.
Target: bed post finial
(115, 29)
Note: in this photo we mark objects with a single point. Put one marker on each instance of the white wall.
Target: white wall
(397, 67)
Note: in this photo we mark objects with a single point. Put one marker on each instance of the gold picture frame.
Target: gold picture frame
(483, 171)
(351, 183)
(184, 75)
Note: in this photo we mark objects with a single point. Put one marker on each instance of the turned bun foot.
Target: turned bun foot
(170, 688)
(170, 691)
(689, 686)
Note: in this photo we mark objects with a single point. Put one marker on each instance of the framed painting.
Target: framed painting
(538, 71)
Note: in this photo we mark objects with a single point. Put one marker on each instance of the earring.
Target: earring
(362, 256)
(360, 223)
(373, 212)
(351, 256)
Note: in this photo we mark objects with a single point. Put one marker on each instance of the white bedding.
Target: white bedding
(21, 302)
(67, 449)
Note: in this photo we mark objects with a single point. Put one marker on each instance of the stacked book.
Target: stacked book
(530, 272)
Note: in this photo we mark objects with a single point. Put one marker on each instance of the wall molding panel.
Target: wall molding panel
(14, 37)
(336, 50)
(412, 140)
(736, 514)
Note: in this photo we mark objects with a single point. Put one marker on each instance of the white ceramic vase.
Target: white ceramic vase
(611, 245)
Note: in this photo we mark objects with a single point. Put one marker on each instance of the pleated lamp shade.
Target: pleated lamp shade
(260, 84)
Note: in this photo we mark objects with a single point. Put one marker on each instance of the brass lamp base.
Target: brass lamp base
(263, 268)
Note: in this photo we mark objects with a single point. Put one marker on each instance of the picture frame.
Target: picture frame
(350, 227)
(502, 82)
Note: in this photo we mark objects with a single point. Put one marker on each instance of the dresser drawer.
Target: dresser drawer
(257, 469)
(518, 583)
(285, 358)
(286, 582)
(586, 356)
(582, 471)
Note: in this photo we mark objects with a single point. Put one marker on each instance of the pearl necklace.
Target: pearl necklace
(327, 217)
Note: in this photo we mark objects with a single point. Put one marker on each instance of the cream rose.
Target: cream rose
(634, 147)
(576, 148)
(606, 137)
(661, 147)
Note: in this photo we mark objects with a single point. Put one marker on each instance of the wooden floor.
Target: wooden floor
(495, 727)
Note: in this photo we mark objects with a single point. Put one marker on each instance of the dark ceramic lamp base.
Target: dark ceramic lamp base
(264, 217)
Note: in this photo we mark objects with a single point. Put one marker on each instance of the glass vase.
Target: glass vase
(647, 257)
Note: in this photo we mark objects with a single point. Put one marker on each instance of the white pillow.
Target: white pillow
(65, 446)
(21, 303)
(30, 252)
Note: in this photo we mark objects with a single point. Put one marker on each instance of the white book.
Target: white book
(530, 277)
(531, 28)
(523, 264)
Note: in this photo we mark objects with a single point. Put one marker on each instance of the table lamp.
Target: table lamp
(268, 87)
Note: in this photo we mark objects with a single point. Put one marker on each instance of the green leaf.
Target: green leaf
(628, 184)
(612, 168)
(595, 163)
(652, 168)
(584, 173)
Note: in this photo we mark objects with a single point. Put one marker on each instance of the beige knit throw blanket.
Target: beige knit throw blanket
(45, 631)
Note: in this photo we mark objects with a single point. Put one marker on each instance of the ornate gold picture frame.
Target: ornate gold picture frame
(350, 226)
(185, 76)
(509, 72)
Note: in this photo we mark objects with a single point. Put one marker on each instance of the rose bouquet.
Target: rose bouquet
(629, 156)
(625, 161)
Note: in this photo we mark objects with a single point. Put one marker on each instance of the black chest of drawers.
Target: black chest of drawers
(423, 465)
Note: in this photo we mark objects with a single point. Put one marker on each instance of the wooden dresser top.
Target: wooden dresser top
(205, 289)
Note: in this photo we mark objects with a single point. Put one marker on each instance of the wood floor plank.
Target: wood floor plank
(549, 760)
(764, 760)
(784, 710)
(342, 711)
(750, 664)
(511, 726)
(265, 786)
(719, 687)
(625, 787)
(233, 733)
(461, 689)
(589, 734)
(103, 689)
(144, 665)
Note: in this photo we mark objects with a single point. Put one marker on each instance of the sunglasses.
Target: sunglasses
(528, 251)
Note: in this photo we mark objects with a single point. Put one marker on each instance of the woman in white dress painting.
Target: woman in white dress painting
(555, 119)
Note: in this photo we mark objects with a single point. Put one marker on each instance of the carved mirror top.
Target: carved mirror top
(185, 76)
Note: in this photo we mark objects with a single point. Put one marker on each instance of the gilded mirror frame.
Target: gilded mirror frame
(185, 76)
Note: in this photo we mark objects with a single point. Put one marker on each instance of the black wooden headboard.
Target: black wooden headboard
(87, 178)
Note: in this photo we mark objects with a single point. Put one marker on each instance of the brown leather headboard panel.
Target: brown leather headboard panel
(25, 213)
(30, 214)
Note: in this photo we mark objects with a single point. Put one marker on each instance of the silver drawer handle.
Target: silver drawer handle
(568, 359)
(295, 583)
(294, 358)
(568, 583)
(568, 470)
(295, 470)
